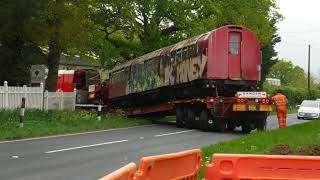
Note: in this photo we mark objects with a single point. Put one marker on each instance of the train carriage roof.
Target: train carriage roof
(168, 49)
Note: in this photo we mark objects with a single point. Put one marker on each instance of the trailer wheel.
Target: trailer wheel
(180, 116)
(220, 125)
(190, 118)
(246, 127)
(204, 118)
(261, 124)
(230, 126)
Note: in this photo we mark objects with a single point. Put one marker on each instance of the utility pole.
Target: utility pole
(309, 47)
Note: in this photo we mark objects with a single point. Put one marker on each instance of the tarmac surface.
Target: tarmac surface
(93, 155)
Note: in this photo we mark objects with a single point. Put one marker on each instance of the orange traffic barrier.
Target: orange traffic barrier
(124, 173)
(266, 167)
(182, 165)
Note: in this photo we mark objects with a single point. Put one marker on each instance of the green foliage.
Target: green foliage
(295, 95)
(115, 31)
(17, 47)
(289, 74)
(306, 134)
(40, 123)
(294, 82)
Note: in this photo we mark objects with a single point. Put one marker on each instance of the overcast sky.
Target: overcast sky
(300, 27)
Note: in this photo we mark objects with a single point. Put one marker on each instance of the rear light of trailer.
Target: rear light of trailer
(210, 100)
(91, 96)
(265, 101)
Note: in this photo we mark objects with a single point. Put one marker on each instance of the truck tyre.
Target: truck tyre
(220, 125)
(180, 116)
(261, 124)
(190, 120)
(230, 126)
(204, 118)
(246, 127)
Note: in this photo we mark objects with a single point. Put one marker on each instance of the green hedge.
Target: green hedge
(294, 95)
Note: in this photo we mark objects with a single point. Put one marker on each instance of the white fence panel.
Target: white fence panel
(11, 96)
(59, 100)
(36, 98)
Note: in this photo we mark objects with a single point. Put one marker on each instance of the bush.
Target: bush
(294, 95)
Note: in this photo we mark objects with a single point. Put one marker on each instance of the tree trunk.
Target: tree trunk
(54, 53)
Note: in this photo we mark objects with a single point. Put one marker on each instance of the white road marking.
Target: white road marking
(86, 146)
(141, 137)
(179, 132)
(15, 157)
(72, 134)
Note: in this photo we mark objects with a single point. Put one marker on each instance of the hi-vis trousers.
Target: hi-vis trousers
(282, 116)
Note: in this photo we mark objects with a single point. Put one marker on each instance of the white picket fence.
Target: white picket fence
(60, 100)
(36, 98)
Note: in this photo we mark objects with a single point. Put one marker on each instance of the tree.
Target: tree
(114, 31)
(64, 26)
(18, 48)
(289, 74)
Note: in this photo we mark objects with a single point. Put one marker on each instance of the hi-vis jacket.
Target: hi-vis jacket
(280, 100)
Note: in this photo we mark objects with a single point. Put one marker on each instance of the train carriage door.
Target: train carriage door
(234, 55)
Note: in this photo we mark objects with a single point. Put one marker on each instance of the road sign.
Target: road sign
(39, 73)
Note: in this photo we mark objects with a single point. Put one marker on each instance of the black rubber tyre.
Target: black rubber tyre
(246, 128)
(180, 117)
(204, 118)
(261, 124)
(230, 126)
(220, 125)
(190, 120)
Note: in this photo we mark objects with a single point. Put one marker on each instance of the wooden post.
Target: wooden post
(6, 95)
(24, 91)
(42, 94)
(61, 100)
(309, 47)
(46, 99)
(22, 110)
(75, 99)
(99, 112)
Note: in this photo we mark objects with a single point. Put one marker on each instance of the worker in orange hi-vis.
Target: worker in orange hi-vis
(281, 101)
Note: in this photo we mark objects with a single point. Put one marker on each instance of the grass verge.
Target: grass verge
(41, 123)
(296, 136)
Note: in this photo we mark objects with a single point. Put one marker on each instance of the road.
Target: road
(92, 155)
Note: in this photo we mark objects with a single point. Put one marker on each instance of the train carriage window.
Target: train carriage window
(234, 44)
(164, 61)
(151, 65)
(137, 72)
(185, 53)
(194, 51)
(179, 55)
(119, 76)
(190, 52)
(173, 57)
(199, 49)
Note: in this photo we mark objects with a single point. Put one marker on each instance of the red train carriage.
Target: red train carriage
(180, 78)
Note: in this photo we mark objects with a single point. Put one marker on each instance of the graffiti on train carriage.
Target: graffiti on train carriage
(185, 70)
